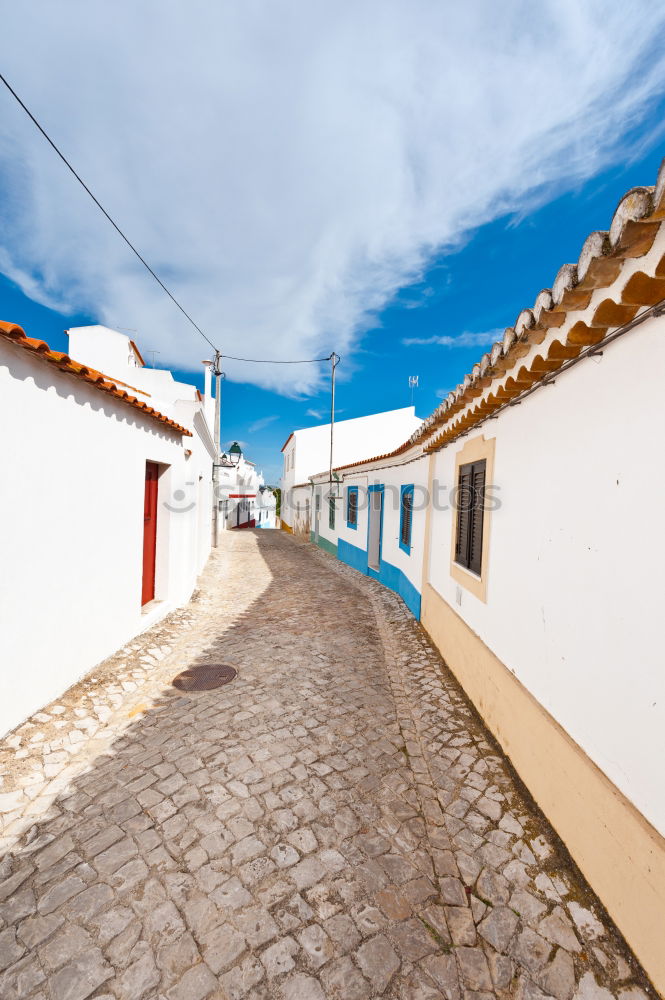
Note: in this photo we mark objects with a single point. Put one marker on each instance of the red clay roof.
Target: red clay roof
(64, 363)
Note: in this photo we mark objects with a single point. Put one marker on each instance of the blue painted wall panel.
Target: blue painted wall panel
(388, 575)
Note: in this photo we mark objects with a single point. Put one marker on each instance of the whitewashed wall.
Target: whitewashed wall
(71, 534)
(575, 591)
(308, 451)
(393, 557)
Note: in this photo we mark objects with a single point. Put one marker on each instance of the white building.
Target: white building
(244, 499)
(535, 562)
(107, 502)
(354, 439)
(375, 519)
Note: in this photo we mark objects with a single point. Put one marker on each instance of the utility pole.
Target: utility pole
(334, 359)
(215, 469)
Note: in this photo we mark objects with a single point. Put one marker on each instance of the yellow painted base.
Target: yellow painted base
(286, 527)
(620, 854)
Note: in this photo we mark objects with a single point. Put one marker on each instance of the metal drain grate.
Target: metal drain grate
(205, 678)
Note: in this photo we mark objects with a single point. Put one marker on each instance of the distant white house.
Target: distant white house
(353, 439)
(107, 504)
(244, 499)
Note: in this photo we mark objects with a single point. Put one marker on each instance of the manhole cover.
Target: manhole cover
(205, 677)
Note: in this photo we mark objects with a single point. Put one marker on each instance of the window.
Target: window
(405, 517)
(331, 513)
(352, 507)
(470, 508)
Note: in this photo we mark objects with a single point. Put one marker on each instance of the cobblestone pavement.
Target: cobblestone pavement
(334, 823)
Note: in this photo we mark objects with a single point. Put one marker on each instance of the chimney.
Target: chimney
(208, 402)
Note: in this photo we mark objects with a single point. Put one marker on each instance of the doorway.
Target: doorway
(149, 532)
(375, 528)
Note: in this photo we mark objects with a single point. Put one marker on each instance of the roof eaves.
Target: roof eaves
(631, 235)
(16, 335)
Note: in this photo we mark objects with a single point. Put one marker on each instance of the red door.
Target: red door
(149, 532)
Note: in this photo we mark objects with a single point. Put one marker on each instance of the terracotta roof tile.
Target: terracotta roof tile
(64, 363)
(633, 230)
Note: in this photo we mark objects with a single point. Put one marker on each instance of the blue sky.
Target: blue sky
(319, 178)
(481, 287)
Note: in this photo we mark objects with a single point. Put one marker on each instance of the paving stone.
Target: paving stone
(35, 930)
(412, 940)
(317, 946)
(589, 989)
(21, 979)
(452, 892)
(138, 980)
(342, 930)
(342, 980)
(461, 925)
(10, 949)
(21, 904)
(378, 961)
(81, 977)
(558, 978)
(498, 927)
(89, 902)
(558, 929)
(474, 968)
(501, 969)
(284, 855)
(442, 969)
(531, 950)
(60, 893)
(66, 945)
(240, 980)
(529, 908)
(278, 959)
(302, 987)
(257, 925)
(112, 923)
(585, 921)
(196, 984)
(307, 873)
(222, 946)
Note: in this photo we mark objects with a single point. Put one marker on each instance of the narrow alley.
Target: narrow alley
(335, 822)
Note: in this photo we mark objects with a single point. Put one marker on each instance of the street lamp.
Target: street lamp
(235, 452)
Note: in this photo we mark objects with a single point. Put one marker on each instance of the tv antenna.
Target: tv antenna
(413, 384)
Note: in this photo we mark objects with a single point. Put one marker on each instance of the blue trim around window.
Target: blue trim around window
(405, 546)
(375, 573)
(349, 491)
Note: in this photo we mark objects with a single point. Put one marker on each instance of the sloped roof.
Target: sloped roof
(632, 232)
(39, 348)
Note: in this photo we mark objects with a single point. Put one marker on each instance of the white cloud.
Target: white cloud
(317, 414)
(286, 167)
(262, 422)
(465, 339)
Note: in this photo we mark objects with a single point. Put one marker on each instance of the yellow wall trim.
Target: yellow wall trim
(474, 450)
(286, 527)
(621, 855)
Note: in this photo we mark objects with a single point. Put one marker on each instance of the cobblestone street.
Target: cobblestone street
(333, 823)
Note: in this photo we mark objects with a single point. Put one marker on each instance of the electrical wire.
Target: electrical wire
(136, 252)
(267, 361)
(105, 213)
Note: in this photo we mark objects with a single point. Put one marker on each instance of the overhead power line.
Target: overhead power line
(269, 361)
(104, 212)
(136, 252)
